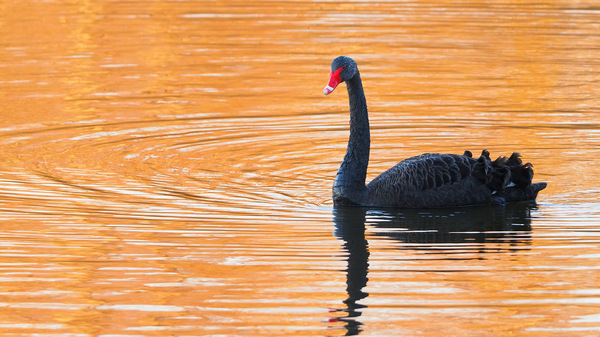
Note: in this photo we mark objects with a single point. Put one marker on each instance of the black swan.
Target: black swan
(429, 180)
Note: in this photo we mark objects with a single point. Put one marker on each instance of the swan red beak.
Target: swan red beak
(334, 81)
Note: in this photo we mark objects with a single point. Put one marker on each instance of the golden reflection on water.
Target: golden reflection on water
(166, 168)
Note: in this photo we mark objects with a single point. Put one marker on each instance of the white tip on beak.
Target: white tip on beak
(327, 90)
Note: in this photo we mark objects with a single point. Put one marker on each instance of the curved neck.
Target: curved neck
(349, 186)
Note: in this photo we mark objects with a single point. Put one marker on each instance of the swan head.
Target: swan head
(343, 68)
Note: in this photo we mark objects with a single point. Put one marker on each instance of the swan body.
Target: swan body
(430, 180)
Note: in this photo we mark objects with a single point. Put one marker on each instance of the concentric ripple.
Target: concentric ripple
(192, 165)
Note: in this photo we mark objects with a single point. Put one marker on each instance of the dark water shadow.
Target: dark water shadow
(509, 228)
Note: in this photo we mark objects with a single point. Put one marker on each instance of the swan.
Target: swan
(430, 180)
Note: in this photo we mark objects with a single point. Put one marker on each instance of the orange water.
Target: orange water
(166, 168)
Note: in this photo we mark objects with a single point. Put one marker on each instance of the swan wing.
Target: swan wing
(430, 180)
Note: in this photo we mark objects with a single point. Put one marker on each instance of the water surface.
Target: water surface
(166, 168)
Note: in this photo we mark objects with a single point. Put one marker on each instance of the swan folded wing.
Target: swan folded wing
(432, 171)
(427, 171)
(429, 180)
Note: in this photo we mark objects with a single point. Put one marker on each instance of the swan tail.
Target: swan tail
(513, 194)
(507, 177)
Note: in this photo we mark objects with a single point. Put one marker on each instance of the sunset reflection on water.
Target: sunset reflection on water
(167, 167)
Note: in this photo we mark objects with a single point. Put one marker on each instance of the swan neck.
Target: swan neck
(349, 186)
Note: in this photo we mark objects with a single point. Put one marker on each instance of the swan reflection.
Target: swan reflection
(508, 228)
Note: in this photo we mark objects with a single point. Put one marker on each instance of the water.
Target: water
(166, 169)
